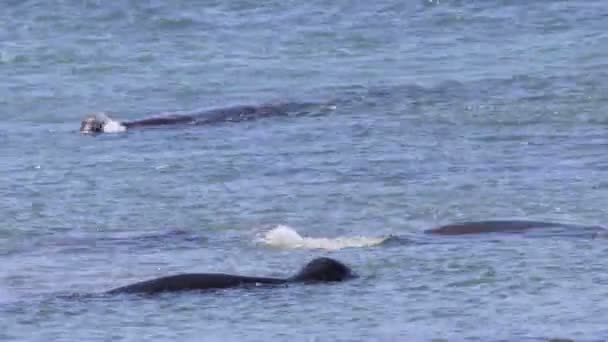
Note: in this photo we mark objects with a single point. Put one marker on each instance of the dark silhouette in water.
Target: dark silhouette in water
(316, 271)
(509, 226)
(102, 123)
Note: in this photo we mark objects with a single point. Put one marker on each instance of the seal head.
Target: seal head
(92, 124)
(323, 270)
(100, 123)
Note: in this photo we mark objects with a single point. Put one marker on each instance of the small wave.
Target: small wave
(286, 237)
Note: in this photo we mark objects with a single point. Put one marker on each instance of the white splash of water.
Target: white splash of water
(283, 236)
(113, 126)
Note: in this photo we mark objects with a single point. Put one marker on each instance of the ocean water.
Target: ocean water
(441, 111)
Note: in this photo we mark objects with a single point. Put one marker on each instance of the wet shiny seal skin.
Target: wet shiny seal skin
(319, 270)
(102, 123)
(508, 226)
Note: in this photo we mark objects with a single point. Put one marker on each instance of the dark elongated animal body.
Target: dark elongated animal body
(506, 226)
(318, 270)
(102, 123)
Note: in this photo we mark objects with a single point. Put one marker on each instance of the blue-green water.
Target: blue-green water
(444, 111)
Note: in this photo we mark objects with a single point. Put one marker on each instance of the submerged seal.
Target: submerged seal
(318, 270)
(508, 226)
(102, 123)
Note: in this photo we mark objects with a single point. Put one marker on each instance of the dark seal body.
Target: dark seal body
(507, 226)
(102, 123)
(194, 281)
(229, 114)
(318, 270)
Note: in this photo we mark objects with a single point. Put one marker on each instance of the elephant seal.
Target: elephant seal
(508, 226)
(102, 123)
(318, 270)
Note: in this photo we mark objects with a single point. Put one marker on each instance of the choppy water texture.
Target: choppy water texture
(444, 111)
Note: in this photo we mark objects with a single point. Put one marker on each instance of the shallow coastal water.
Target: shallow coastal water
(440, 111)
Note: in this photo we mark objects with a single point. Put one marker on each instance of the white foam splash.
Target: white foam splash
(113, 126)
(283, 236)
